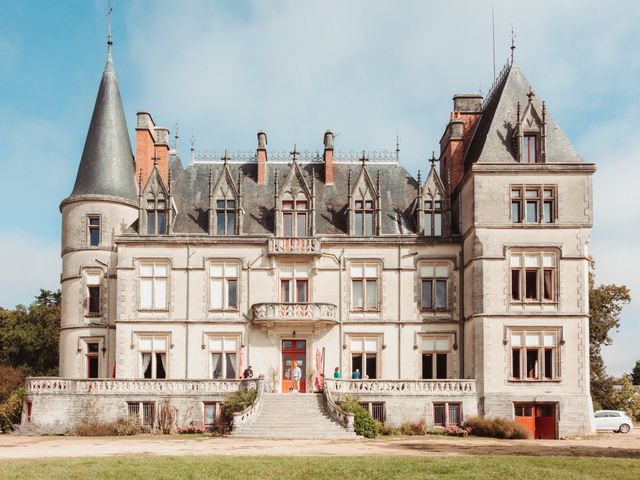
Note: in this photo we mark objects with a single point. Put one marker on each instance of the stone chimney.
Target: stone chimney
(328, 157)
(151, 141)
(262, 158)
(467, 109)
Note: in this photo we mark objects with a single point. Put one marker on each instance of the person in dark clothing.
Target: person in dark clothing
(248, 372)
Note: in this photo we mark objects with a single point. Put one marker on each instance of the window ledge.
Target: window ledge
(523, 382)
(153, 310)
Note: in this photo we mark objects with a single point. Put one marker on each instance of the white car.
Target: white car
(612, 420)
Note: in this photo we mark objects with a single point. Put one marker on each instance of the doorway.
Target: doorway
(294, 353)
(538, 418)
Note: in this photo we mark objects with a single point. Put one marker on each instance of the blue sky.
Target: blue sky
(366, 69)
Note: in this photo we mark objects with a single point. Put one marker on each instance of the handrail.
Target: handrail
(345, 419)
(249, 414)
(401, 387)
(54, 385)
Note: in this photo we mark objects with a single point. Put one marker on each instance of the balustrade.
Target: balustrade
(403, 387)
(294, 311)
(294, 245)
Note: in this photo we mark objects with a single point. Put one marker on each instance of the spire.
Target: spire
(106, 166)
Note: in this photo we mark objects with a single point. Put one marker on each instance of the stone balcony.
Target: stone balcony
(453, 387)
(269, 313)
(127, 386)
(294, 246)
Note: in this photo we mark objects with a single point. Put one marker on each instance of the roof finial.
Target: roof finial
(363, 159)
(109, 37)
(433, 159)
(530, 94)
(397, 146)
(225, 157)
(295, 154)
(155, 157)
(513, 45)
(176, 137)
(419, 178)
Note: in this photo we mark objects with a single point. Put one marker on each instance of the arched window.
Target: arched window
(156, 214)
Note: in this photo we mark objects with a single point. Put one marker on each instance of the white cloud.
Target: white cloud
(27, 265)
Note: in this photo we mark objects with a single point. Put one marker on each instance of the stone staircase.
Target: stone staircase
(293, 416)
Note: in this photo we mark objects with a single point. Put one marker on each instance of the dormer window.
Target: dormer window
(156, 214)
(363, 212)
(225, 216)
(433, 218)
(529, 148)
(294, 218)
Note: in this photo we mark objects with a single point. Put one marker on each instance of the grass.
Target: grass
(300, 468)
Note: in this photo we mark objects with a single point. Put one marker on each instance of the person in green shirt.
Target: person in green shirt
(356, 375)
(336, 373)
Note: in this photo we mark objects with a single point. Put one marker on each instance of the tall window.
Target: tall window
(363, 216)
(153, 286)
(533, 276)
(434, 286)
(529, 148)
(225, 216)
(93, 293)
(212, 413)
(93, 359)
(533, 204)
(223, 351)
(156, 214)
(94, 230)
(294, 283)
(143, 412)
(153, 356)
(223, 281)
(364, 286)
(433, 218)
(534, 355)
(294, 218)
(364, 356)
(435, 355)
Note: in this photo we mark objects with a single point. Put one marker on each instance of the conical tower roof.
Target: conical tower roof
(107, 166)
(493, 138)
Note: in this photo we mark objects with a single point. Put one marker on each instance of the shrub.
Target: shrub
(238, 402)
(188, 429)
(11, 410)
(121, 427)
(406, 429)
(364, 424)
(166, 416)
(496, 428)
(456, 431)
(384, 430)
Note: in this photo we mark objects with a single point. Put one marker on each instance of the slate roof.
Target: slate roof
(107, 167)
(492, 141)
(190, 187)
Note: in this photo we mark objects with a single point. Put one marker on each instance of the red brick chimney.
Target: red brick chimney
(151, 141)
(328, 157)
(467, 109)
(262, 158)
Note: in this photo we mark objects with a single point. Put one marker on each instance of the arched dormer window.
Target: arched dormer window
(432, 205)
(156, 213)
(294, 204)
(530, 132)
(225, 203)
(295, 214)
(364, 214)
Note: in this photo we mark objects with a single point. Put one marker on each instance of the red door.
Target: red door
(538, 418)
(294, 353)
(546, 421)
(525, 416)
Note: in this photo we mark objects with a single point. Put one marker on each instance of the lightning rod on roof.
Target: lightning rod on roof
(513, 45)
(493, 39)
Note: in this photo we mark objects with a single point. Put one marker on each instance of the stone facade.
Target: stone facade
(462, 294)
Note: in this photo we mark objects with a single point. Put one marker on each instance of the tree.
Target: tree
(635, 373)
(605, 305)
(29, 336)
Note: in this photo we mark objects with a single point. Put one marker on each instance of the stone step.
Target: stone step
(295, 416)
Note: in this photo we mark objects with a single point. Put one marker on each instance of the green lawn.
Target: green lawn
(343, 468)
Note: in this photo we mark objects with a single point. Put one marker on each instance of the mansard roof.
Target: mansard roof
(191, 186)
(493, 139)
(107, 167)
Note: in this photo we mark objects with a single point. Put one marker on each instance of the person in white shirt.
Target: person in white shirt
(296, 375)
